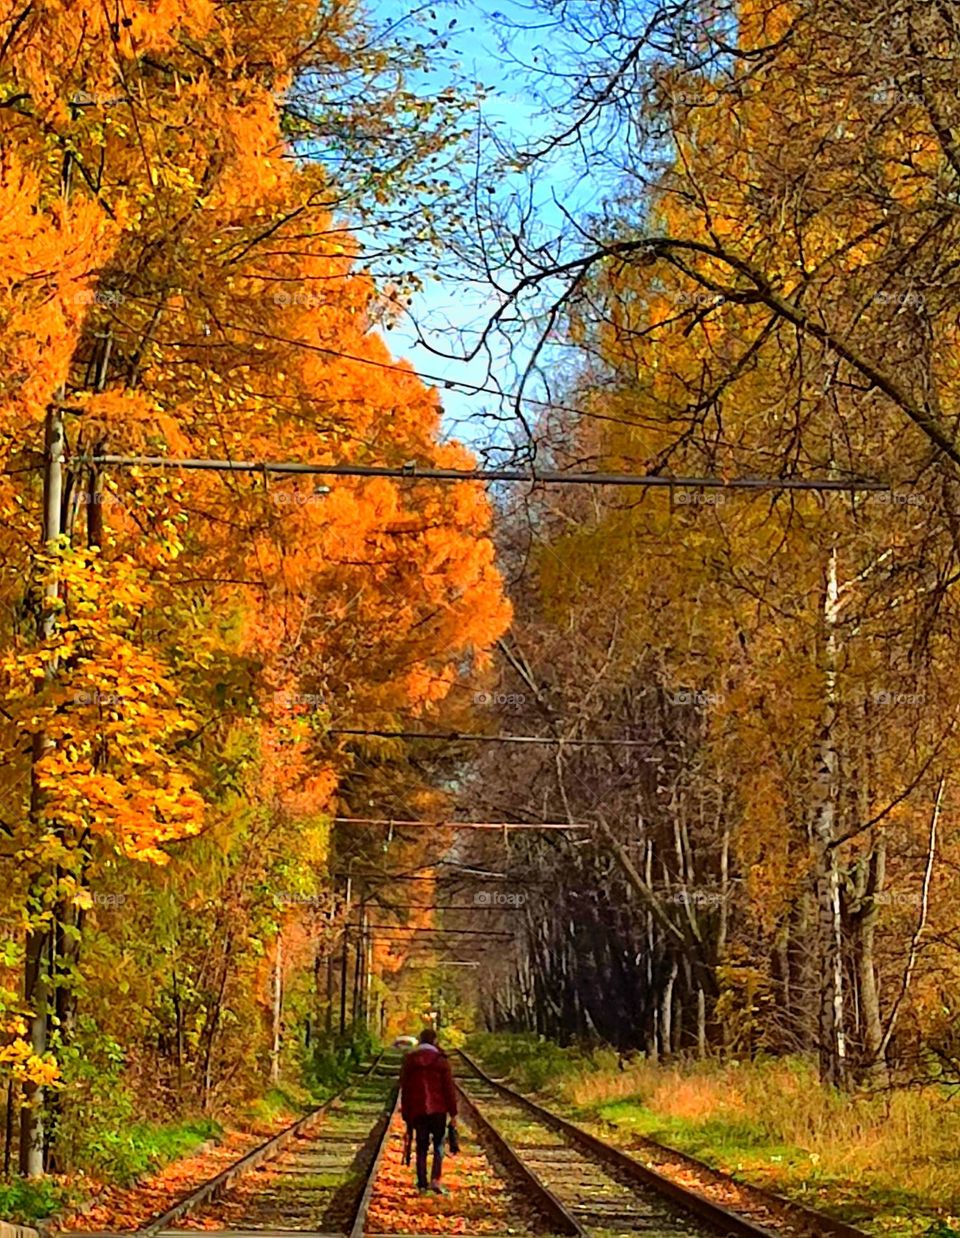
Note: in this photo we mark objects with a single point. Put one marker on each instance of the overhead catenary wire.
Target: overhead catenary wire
(405, 367)
(416, 471)
(391, 878)
(475, 737)
(445, 962)
(461, 825)
(410, 928)
(389, 907)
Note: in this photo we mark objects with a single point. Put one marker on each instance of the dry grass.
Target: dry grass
(862, 1135)
(771, 1122)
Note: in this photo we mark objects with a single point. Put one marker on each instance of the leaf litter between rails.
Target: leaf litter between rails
(479, 1199)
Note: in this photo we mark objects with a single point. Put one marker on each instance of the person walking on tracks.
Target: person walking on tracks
(427, 1097)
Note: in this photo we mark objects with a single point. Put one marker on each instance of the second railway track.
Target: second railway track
(318, 1183)
(606, 1191)
(312, 1178)
(598, 1198)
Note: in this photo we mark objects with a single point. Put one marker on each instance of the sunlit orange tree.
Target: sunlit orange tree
(177, 646)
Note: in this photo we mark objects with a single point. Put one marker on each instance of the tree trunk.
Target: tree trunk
(344, 975)
(330, 988)
(345, 957)
(832, 1045)
(666, 1013)
(359, 948)
(35, 981)
(277, 1011)
(864, 935)
(367, 978)
(8, 1129)
(179, 1044)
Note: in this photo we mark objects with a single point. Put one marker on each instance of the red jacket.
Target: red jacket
(426, 1084)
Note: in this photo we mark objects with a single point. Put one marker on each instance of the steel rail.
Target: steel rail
(719, 1219)
(266, 1151)
(702, 1207)
(560, 1217)
(363, 1203)
(819, 1221)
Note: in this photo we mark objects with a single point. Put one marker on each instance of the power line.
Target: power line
(410, 928)
(405, 367)
(451, 736)
(447, 962)
(436, 906)
(414, 471)
(390, 878)
(460, 825)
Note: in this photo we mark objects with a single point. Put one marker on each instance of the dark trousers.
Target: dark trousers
(432, 1127)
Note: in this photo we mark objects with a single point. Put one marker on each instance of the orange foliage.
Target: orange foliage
(181, 285)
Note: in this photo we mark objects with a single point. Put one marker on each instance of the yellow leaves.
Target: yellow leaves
(201, 582)
(111, 716)
(28, 1067)
(116, 407)
(45, 260)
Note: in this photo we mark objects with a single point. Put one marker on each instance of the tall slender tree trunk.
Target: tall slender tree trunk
(804, 969)
(36, 988)
(330, 988)
(277, 1036)
(359, 953)
(864, 933)
(832, 1044)
(368, 980)
(344, 977)
(914, 952)
(179, 1049)
(666, 1013)
(8, 1128)
(345, 957)
(33, 1137)
(211, 1025)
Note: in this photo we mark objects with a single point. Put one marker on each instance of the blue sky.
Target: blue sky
(451, 312)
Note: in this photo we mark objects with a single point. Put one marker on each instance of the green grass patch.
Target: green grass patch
(716, 1140)
(745, 1150)
(24, 1201)
(533, 1063)
(279, 1103)
(328, 1181)
(122, 1156)
(117, 1157)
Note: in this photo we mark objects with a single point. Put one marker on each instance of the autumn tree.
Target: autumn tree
(768, 290)
(182, 287)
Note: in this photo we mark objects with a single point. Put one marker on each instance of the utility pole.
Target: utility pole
(368, 973)
(358, 963)
(36, 987)
(277, 1011)
(344, 958)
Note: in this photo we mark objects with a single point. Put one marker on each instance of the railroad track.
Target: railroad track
(312, 1178)
(316, 1179)
(606, 1190)
(591, 1192)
